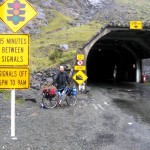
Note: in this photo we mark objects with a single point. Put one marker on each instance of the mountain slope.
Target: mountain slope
(45, 46)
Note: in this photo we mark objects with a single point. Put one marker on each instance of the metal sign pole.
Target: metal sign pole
(12, 113)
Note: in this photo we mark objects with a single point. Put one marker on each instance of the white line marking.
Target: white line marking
(106, 103)
(95, 107)
(100, 106)
(14, 138)
(130, 123)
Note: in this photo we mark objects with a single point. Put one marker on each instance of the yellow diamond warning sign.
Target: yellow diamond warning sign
(14, 50)
(80, 77)
(16, 13)
(136, 25)
(14, 78)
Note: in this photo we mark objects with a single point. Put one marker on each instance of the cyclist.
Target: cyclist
(62, 80)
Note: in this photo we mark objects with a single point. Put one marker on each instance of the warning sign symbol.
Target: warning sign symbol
(80, 77)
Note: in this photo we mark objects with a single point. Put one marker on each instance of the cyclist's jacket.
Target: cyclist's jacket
(61, 80)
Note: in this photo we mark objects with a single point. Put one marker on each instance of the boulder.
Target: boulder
(64, 47)
(49, 81)
(39, 74)
(36, 86)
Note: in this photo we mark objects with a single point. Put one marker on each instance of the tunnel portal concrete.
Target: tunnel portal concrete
(116, 53)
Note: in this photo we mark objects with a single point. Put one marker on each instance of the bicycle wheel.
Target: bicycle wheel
(71, 100)
(49, 102)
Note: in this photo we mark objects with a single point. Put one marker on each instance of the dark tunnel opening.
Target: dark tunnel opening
(113, 57)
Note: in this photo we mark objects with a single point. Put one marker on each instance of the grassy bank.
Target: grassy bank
(44, 47)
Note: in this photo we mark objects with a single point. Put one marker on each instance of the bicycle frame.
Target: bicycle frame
(63, 93)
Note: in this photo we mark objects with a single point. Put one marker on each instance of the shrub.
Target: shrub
(56, 54)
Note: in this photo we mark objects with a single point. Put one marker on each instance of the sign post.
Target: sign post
(13, 114)
(14, 50)
(80, 77)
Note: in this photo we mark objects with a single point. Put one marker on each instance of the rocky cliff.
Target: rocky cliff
(82, 11)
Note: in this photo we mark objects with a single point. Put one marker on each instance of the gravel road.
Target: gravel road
(95, 123)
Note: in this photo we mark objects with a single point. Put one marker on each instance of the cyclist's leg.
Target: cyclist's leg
(58, 96)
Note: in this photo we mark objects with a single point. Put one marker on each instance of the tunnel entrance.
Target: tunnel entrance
(108, 65)
(118, 56)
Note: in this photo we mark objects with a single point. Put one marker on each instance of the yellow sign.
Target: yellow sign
(83, 68)
(14, 78)
(80, 56)
(16, 13)
(14, 50)
(80, 77)
(136, 25)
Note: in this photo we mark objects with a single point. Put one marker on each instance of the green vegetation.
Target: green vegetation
(20, 101)
(59, 21)
(134, 10)
(45, 46)
(2, 91)
(6, 95)
(139, 6)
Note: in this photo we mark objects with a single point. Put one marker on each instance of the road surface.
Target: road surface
(110, 117)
